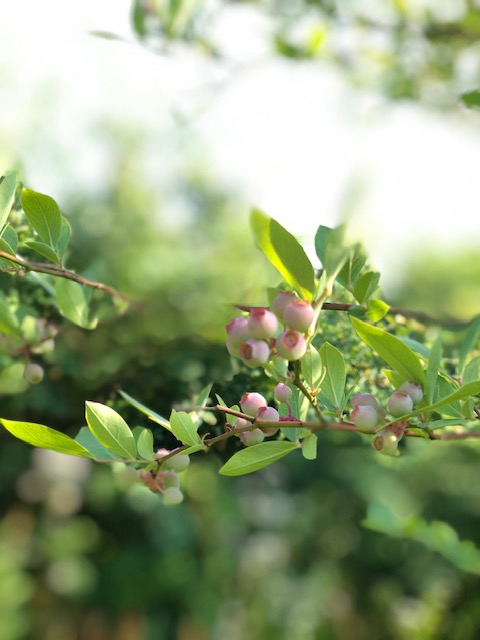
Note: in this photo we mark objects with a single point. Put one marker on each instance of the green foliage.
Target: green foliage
(256, 457)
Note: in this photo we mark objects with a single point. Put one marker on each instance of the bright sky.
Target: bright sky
(293, 137)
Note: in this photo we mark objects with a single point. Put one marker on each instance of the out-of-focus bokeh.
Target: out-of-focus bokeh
(156, 134)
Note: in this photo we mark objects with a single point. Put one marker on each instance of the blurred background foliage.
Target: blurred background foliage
(352, 545)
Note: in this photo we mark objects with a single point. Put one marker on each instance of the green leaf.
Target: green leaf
(144, 441)
(44, 215)
(194, 449)
(4, 246)
(110, 429)
(285, 253)
(395, 352)
(46, 438)
(471, 373)
(465, 391)
(366, 285)
(256, 457)
(9, 235)
(8, 186)
(72, 303)
(312, 368)
(64, 239)
(183, 428)
(201, 401)
(86, 438)
(471, 99)
(333, 385)
(469, 341)
(331, 250)
(12, 380)
(9, 324)
(153, 415)
(376, 310)
(351, 270)
(309, 446)
(44, 250)
(433, 367)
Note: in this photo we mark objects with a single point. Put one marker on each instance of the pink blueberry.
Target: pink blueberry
(282, 392)
(262, 323)
(413, 389)
(400, 403)
(291, 345)
(251, 402)
(280, 302)
(299, 315)
(254, 353)
(364, 416)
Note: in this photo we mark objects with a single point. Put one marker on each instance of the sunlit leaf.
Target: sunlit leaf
(285, 253)
(254, 458)
(9, 324)
(46, 438)
(309, 447)
(86, 438)
(43, 214)
(8, 186)
(183, 428)
(144, 441)
(72, 303)
(376, 310)
(110, 429)
(366, 286)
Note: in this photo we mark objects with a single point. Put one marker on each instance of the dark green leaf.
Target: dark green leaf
(44, 250)
(395, 352)
(9, 235)
(86, 438)
(153, 415)
(45, 438)
(285, 253)
(183, 428)
(111, 430)
(44, 215)
(254, 458)
(8, 186)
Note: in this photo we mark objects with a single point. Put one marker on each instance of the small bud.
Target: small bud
(254, 353)
(251, 402)
(291, 345)
(172, 496)
(364, 417)
(413, 389)
(364, 399)
(282, 392)
(262, 323)
(178, 462)
(399, 403)
(250, 438)
(33, 373)
(385, 442)
(280, 302)
(268, 414)
(299, 315)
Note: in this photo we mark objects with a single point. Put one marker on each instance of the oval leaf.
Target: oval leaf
(144, 439)
(256, 457)
(183, 428)
(333, 385)
(376, 310)
(86, 438)
(312, 368)
(44, 215)
(72, 303)
(8, 186)
(46, 438)
(285, 253)
(44, 250)
(395, 352)
(110, 429)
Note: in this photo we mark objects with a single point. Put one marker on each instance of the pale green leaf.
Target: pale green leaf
(333, 384)
(183, 428)
(469, 342)
(366, 285)
(110, 429)
(285, 253)
(43, 214)
(376, 310)
(72, 303)
(471, 372)
(312, 368)
(433, 367)
(144, 441)
(46, 438)
(309, 446)
(9, 324)
(254, 458)
(8, 186)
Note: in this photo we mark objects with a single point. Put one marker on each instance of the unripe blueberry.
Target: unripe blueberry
(270, 415)
(413, 389)
(250, 438)
(364, 399)
(282, 392)
(399, 403)
(169, 479)
(364, 416)
(299, 315)
(262, 323)
(251, 402)
(291, 345)
(149, 480)
(33, 373)
(254, 353)
(237, 333)
(385, 442)
(241, 423)
(280, 302)
(172, 496)
(178, 462)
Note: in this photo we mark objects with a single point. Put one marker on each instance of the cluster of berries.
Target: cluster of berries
(255, 405)
(167, 482)
(367, 414)
(256, 338)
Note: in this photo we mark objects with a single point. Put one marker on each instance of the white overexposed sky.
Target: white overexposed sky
(293, 137)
